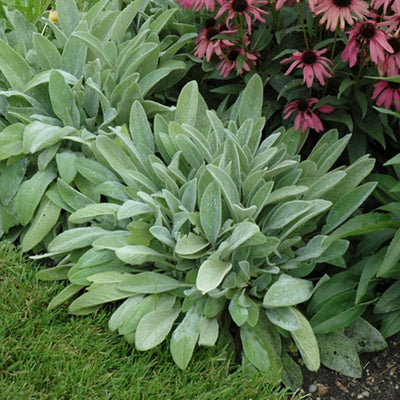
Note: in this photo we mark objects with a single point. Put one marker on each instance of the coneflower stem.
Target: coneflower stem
(303, 25)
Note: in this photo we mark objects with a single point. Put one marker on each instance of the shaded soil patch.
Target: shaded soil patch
(380, 379)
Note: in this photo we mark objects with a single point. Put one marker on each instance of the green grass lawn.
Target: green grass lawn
(55, 356)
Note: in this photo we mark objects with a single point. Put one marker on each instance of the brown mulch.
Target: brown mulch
(380, 379)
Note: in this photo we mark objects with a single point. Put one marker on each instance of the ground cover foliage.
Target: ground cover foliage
(51, 355)
(201, 226)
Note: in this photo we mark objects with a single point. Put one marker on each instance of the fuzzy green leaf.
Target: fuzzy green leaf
(184, 338)
(138, 255)
(306, 342)
(11, 141)
(14, 67)
(251, 100)
(211, 212)
(75, 238)
(211, 274)
(339, 353)
(209, 331)
(30, 193)
(44, 220)
(62, 100)
(284, 317)
(154, 327)
(288, 291)
(189, 245)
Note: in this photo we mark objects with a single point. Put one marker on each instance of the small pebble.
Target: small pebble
(312, 389)
(322, 390)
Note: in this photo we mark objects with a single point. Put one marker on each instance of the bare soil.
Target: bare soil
(380, 379)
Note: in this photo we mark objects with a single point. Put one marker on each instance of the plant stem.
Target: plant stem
(334, 42)
(303, 25)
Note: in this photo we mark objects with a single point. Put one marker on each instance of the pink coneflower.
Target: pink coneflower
(387, 93)
(392, 22)
(206, 45)
(306, 116)
(230, 61)
(340, 11)
(280, 3)
(197, 4)
(313, 64)
(384, 3)
(248, 8)
(366, 34)
(390, 66)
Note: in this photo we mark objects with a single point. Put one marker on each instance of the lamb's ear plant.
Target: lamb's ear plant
(207, 228)
(61, 84)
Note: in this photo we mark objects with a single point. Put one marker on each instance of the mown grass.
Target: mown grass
(56, 356)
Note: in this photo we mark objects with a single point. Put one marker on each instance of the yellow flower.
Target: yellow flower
(53, 16)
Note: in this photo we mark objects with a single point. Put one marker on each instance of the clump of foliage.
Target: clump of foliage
(60, 87)
(209, 228)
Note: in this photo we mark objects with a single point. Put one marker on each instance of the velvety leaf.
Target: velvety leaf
(184, 338)
(339, 353)
(132, 208)
(306, 342)
(209, 331)
(365, 336)
(62, 297)
(62, 100)
(251, 100)
(228, 187)
(154, 327)
(30, 193)
(260, 348)
(190, 244)
(68, 15)
(238, 313)
(15, 69)
(211, 274)
(288, 291)
(65, 165)
(10, 179)
(93, 171)
(75, 238)
(47, 53)
(44, 220)
(92, 211)
(163, 235)
(139, 126)
(124, 311)
(186, 107)
(284, 317)
(38, 136)
(241, 233)
(125, 18)
(11, 141)
(284, 193)
(287, 212)
(58, 273)
(138, 255)
(149, 282)
(97, 295)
